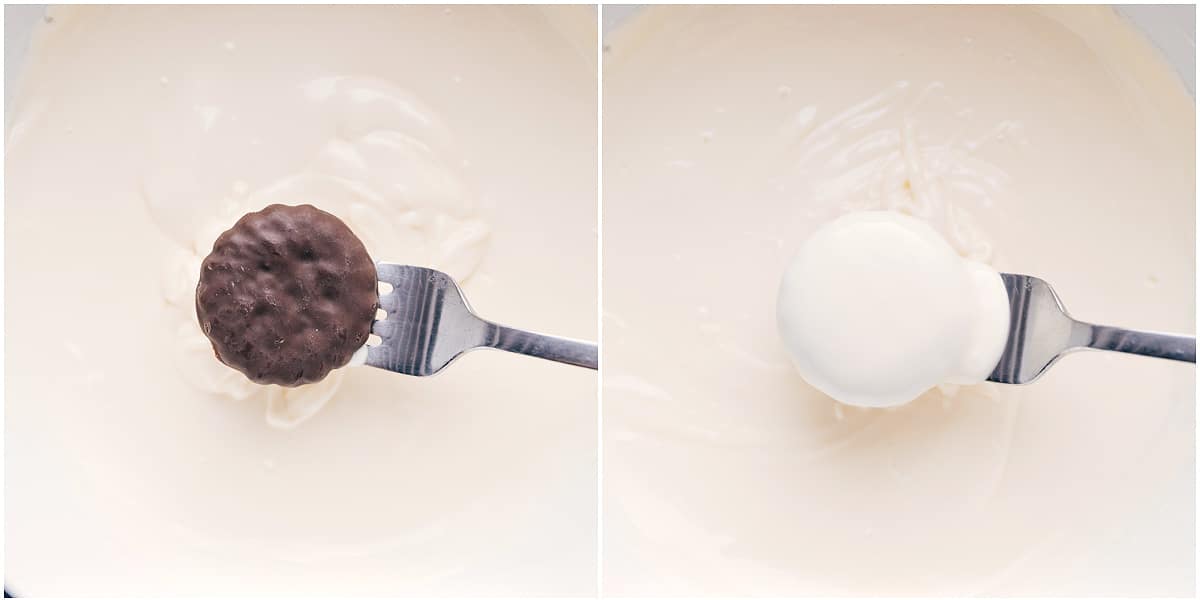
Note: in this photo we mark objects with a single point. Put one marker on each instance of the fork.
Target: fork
(1040, 332)
(429, 324)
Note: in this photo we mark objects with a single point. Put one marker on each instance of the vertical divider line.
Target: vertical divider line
(3, 220)
(600, 298)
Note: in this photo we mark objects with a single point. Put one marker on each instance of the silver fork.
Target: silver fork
(1040, 332)
(429, 324)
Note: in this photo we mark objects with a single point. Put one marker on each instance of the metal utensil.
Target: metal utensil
(429, 324)
(1040, 331)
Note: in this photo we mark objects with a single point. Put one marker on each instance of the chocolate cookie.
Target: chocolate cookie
(287, 295)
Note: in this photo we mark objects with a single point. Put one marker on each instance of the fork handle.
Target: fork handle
(549, 347)
(1145, 343)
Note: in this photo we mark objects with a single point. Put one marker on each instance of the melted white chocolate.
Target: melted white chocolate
(876, 309)
(461, 138)
(1049, 141)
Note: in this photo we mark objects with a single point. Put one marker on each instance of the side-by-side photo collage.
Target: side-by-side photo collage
(599, 300)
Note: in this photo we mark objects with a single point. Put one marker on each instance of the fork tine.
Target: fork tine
(385, 328)
(391, 302)
(391, 273)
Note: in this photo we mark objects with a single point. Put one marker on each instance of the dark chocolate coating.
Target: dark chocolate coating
(287, 295)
